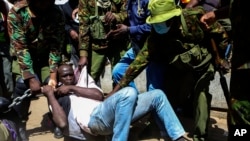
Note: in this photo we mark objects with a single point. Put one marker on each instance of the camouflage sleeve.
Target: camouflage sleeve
(136, 67)
(122, 14)
(219, 34)
(18, 42)
(84, 37)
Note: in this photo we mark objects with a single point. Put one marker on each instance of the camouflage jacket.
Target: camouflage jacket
(34, 37)
(87, 9)
(163, 48)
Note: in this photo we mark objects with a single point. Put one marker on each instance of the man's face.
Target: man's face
(66, 75)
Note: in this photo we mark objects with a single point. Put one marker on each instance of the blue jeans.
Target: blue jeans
(121, 67)
(117, 112)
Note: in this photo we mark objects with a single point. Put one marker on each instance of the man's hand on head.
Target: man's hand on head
(63, 90)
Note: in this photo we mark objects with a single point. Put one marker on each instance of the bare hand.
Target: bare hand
(116, 88)
(118, 33)
(63, 90)
(74, 35)
(208, 19)
(109, 18)
(52, 80)
(82, 61)
(223, 64)
(52, 83)
(47, 90)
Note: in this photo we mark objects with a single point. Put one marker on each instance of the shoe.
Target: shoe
(183, 138)
(22, 133)
(58, 133)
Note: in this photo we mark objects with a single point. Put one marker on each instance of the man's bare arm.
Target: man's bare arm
(91, 93)
(59, 116)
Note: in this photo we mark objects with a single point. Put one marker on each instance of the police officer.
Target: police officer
(36, 30)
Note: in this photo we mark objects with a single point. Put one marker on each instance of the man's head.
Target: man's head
(66, 74)
(162, 10)
(162, 13)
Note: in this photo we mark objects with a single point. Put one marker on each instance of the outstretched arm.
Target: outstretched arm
(59, 116)
(91, 93)
(134, 69)
(210, 17)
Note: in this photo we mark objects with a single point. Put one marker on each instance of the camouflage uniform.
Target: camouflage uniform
(35, 40)
(97, 51)
(36, 44)
(182, 80)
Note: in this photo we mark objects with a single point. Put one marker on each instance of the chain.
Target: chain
(19, 99)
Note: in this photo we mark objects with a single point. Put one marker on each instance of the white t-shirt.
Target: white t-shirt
(81, 107)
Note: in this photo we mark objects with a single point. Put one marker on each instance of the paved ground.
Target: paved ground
(37, 132)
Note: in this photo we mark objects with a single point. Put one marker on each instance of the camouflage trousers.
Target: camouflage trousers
(100, 57)
(202, 104)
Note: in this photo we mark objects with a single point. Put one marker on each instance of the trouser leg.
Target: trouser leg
(156, 101)
(21, 109)
(114, 115)
(202, 104)
(202, 116)
(98, 62)
(120, 68)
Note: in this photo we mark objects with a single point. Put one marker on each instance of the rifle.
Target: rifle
(223, 81)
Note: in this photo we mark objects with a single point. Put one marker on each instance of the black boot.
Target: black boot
(58, 132)
(22, 109)
(22, 131)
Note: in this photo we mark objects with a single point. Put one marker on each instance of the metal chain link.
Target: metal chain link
(19, 99)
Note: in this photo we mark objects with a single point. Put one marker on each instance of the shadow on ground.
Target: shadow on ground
(45, 128)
